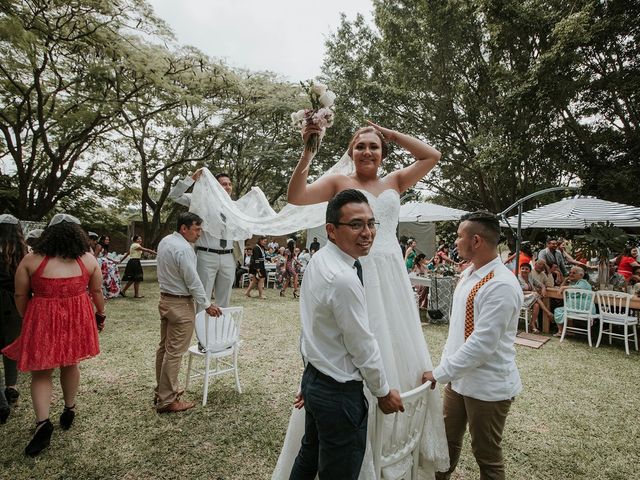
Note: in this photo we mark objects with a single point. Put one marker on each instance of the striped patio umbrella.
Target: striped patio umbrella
(428, 212)
(578, 212)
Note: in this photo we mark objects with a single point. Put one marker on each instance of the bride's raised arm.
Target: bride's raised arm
(323, 189)
(426, 158)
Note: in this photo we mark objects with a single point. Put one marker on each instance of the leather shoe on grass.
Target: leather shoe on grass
(179, 393)
(176, 406)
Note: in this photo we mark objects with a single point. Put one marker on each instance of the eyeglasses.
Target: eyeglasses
(358, 225)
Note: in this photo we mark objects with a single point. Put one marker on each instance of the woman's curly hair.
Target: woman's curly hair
(64, 239)
(12, 246)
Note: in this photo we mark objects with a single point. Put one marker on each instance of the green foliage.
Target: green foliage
(509, 91)
(601, 239)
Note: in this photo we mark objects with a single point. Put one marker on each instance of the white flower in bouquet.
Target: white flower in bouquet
(327, 99)
(320, 113)
(318, 89)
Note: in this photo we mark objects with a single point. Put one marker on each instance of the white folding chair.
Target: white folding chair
(578, 306)
(614, 309)
(271, 277)
(396, 441)
(244, 280)
(220, 337)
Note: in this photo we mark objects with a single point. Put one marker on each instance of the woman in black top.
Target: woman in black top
(257, 268)
(12, 249)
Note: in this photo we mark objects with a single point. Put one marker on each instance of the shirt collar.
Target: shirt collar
(345, 257)
(481, 272)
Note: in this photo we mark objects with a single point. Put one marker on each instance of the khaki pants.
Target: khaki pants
(486, 423)
(177, 319)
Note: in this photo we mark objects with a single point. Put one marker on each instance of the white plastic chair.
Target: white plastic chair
(525, 315)
(397, 437)
(271, 277)
(614, 310)
(220, 337)
(578, 305)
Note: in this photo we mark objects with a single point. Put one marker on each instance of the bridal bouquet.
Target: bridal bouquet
(319, 114)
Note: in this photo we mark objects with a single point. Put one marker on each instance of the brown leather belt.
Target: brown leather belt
(171, 295)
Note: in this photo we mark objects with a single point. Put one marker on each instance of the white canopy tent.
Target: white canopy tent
(428, 212)
(578, 212)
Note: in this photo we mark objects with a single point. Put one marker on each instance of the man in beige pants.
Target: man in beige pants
(180, 286)
(478, 362)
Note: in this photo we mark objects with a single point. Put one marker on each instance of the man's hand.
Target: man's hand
(299, 401)
(428, 377)
(213, 310)
(196, 176)
(391, 402)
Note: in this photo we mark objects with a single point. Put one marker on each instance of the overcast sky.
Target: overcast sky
(283, 36)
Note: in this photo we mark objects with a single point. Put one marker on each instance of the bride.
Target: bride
(393, 314)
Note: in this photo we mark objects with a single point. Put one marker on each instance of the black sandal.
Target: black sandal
(41, 438)
(67, 416)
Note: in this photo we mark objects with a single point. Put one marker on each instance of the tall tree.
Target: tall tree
(66, 70)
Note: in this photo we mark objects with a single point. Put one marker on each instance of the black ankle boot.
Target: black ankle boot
(40, 439)
(4, 414)
(12, 395)
(66, 419)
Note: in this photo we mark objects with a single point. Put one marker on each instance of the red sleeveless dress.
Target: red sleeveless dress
(59, 327)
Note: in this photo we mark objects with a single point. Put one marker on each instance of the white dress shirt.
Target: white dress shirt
(206, 240)
(177, 273)
(484, 366)
(335, 329)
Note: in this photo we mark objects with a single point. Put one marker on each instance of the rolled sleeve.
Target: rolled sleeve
(348, 304)
(177, 193)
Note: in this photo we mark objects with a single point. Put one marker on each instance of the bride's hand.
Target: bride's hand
(389, 135)
(308, 130)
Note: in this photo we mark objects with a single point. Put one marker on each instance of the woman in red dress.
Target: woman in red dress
(59, 327)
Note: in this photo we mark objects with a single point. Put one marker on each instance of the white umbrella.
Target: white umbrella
(578, 212)
(428, 212)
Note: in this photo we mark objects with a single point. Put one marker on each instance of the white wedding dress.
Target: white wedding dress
(391, 305)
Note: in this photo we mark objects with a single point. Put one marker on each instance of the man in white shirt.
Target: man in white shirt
(179, 287)
(216, 264)
(478, 362)
(338, 348)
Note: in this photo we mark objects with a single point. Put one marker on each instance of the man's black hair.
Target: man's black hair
(218, 176)
(187, 219)
(340, 200)
(486, 223)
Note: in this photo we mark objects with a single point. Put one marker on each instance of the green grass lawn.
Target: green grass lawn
(576, 418)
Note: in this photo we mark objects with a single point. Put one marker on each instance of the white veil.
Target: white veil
(252, 214)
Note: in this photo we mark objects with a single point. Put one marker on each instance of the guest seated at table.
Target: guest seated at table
(269, 254)
(635, 277)
(533, 291)
(626, 262)
(562, 248)
(616, 280)
(574, 280)
(420, 268)
(540, 275)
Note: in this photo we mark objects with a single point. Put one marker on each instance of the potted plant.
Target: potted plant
(599, 241)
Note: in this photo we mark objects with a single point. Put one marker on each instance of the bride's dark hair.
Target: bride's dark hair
(369, 129)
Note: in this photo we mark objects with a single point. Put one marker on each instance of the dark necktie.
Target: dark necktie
(358, 270)
(223, 242)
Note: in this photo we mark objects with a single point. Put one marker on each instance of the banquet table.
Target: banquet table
(554, 292)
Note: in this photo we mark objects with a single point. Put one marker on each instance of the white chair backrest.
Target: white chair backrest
(398, 435)
(219, 333)
(613, 304)
(578, 301)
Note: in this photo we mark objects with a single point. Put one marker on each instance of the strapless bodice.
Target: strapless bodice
(386, 209)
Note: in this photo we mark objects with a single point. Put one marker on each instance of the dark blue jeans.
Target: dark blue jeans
(335, 432)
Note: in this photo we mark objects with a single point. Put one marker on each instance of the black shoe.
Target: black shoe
(202, 348)
(67, 416)
(41, 438)
(12, 395)
(4, 414)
